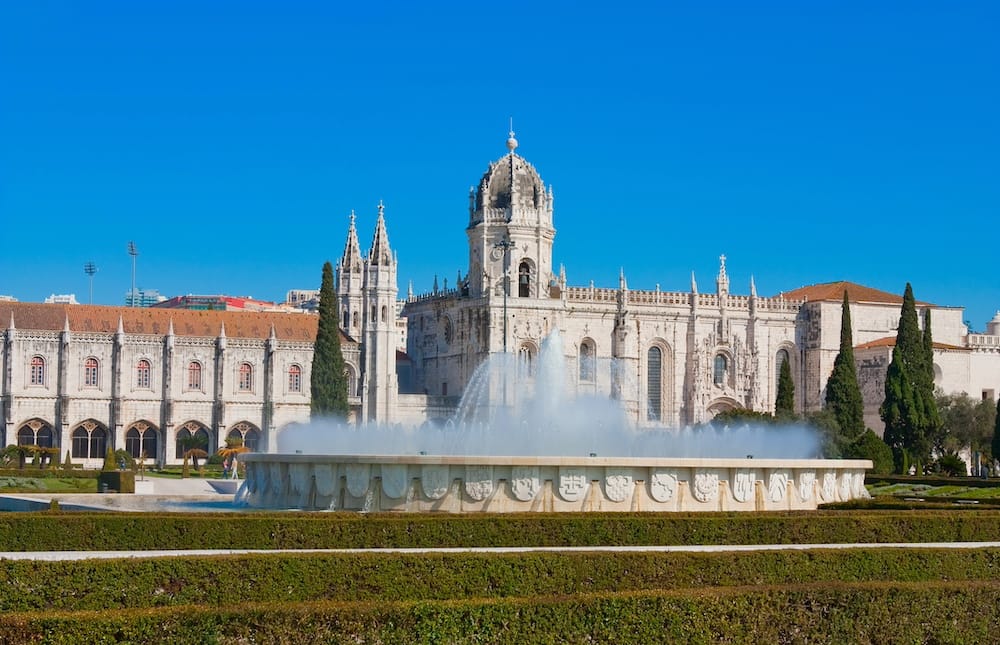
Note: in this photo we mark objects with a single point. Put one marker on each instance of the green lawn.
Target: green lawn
(47, 485)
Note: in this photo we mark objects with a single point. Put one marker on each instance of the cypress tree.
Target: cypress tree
(784, 403)
(995, 446)
(927, 383)
(843, 395)
(905, 410)
(327, 382)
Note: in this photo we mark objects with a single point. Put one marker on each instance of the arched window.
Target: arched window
(344, 318)
(35, 433)
(373, 318)
(246, 377)
(385, 313)
(525, 362)
(524, 280)
(194, 376)
(37, 376)
(354, 320)
(89, 441)
(25, 436)
(140, 441)
(654, 381)
(90, 368)
(779, 359)
(720, 366)
(142, 374)
(248, 435)
(586, 361)
(191, 435)
(294, 378)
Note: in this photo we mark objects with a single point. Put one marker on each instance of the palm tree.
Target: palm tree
(194, 449)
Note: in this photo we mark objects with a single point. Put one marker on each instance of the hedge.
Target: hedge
(51, 531)
(230, 580)
(941, 612)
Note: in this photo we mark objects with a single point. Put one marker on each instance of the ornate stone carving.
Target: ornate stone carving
(777, 486)
(858, 489)
(617, 484)
(479, 482)
(572, 483)
(845, 486)
(358, 476)
(524, 482)
(743, 484)
(434, 480)
(662, 485)
(829, 488)
(326, 483)
(706, 486)
(394, 480)
(807, 481)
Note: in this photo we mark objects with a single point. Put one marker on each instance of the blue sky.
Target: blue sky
(808, 141)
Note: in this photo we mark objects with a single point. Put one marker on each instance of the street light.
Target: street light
(133, 252)
(505, 245)
(90, 269)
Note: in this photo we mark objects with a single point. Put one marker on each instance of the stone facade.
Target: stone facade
(82, 377)
(78, 376)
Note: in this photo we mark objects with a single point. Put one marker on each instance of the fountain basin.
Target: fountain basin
(470, 484)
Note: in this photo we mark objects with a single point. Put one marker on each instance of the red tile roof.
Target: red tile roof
(835, 291)
(890, 341)
(141, 320)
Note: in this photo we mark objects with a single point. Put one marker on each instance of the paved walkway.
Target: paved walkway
(706, 548)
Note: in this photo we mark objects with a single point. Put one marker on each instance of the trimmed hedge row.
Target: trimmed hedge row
(948, 612)
(55, 472)
(232, 580)
(50, 531)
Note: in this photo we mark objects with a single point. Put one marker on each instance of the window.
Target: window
(525, 362)
(246, 377)
(385, 313)
(374, 319)
(354, 320)
(90, 367)
(37, 376)
(194, 376)
(586, 361)
(654, 392)
(140, 441)
(719, 369)
(246, 434)
(294, 378)
(89, 441)
(524, 280)
(142, 374)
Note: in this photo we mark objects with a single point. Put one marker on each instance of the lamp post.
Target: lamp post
(133, 252)
(505, 245)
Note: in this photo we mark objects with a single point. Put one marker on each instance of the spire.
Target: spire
(694, 285)
(622, 284)
(121, 325)
(511, 141)
(274, 335)
(222, 330)
(380, 253)
(11, 325)
(409, 291)
(753, 287)
(350, 262)
(170, 326)
(722, 282)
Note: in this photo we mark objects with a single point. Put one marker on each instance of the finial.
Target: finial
(170, 326)
(511, 141)
(352, 217)
(722, 260)
(694, 284)
(381, 208)
(11, 326)
(66, 325)
(753, 287)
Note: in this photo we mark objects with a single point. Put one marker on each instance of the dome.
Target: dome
(495, 187)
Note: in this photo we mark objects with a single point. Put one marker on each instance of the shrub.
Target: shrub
(870, 446)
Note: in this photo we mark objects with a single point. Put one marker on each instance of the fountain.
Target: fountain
(543, 449)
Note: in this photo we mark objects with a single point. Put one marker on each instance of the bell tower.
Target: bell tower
(510, 229)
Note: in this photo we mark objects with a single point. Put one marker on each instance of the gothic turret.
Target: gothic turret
(350, 283)
(378, 329)
(511, 205)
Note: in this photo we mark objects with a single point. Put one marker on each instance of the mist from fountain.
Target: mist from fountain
(506, 411)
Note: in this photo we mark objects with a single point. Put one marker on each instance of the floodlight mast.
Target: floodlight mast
(90, 269)
(133, 252)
